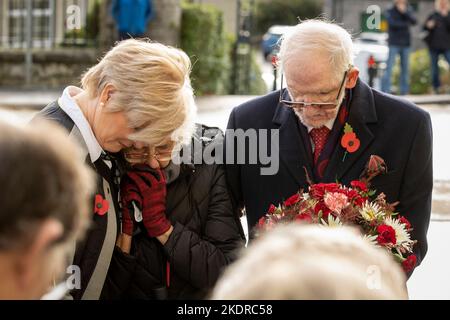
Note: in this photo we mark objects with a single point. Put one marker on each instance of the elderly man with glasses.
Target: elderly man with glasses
(324, 98)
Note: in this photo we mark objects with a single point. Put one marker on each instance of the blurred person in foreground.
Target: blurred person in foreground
(43, 207)
(300, 262)
(139, 95)
(438, 39)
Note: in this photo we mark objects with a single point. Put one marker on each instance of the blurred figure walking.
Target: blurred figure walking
(399, 18)
(438, 38)
(132, 17)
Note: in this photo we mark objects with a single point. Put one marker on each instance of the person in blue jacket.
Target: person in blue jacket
(132, 17)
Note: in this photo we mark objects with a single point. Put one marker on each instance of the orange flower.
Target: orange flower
(101, 206)
(350, 142)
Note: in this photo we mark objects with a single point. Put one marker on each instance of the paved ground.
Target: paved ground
(432, 279)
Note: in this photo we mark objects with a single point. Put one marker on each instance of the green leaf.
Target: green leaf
(348, 128)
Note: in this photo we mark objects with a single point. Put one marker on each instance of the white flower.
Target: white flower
(306, 196)
(371, 239)
(401, 234)
(332, 222)
(370, 211)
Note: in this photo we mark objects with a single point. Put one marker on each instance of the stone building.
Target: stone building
(62, 38)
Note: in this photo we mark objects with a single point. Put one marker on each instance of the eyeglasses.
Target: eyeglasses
(320, 105)
(134, 156)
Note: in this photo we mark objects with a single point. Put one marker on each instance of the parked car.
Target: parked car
(371, 54)
(270, 39)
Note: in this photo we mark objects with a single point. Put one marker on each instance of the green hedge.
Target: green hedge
(420, 73)
(204, 40)
(285, 12)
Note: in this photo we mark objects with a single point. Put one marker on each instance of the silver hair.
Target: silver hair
(322, 36)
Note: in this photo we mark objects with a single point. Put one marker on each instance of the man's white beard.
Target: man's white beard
(302, 120)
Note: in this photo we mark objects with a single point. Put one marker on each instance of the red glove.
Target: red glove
(147, 189)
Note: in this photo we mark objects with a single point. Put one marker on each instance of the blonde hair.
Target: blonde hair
(312, 262)
(152, 87)
(321, 36)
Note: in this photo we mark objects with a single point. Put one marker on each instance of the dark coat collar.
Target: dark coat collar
(293, 151)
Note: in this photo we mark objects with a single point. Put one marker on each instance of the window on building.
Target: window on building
(41, 23)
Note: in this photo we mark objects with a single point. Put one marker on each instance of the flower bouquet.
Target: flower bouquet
(333, 204)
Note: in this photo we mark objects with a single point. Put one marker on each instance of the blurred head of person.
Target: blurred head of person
(401, 2)
(442, 5)
(312, 262)
(43, 207)
(139, 95)
(316, 57)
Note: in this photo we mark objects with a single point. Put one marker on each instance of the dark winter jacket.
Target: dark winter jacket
(399, 25)
(438, 38)
(206, 236)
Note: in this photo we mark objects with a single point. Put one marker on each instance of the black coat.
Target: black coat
(398, 27)
(387, 126)
(206, 237)
(438, 38)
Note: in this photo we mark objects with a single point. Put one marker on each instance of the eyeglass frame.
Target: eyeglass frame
(291, 104)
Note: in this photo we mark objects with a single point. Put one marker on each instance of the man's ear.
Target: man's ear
(353, 75)
(34, 254)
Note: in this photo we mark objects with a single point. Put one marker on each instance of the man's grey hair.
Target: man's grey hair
(320, 36)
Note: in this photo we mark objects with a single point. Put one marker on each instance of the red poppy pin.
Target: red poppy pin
(101, 206)
(349, 140)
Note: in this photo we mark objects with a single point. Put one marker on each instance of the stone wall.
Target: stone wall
(51, 69)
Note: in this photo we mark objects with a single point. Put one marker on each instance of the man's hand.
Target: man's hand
(431, 24)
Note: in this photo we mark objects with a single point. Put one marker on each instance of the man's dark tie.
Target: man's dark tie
(319, 138)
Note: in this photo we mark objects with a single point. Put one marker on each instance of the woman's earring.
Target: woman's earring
(102, 104)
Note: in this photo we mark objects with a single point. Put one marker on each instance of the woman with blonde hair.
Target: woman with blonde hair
(139, 95)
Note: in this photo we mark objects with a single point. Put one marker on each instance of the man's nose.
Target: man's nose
(307, 99)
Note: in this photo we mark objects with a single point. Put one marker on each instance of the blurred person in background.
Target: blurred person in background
(438, 39)
(300, 262)
(44, 207)
(400, 18)
(132, 17)
(139, 95)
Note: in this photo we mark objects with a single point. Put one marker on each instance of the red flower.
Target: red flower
(386, 235)
(292, 200)
(359, 201)
(304, 217)
(359, 185)
(261, 222)
(409, 264)
(318, 190)
(375, 166)
(350, 142)
(101, 206)
(272, 209)
(320, 206)
(405, 222)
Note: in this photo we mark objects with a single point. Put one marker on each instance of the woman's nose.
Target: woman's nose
(154, 163)
(139, 145)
